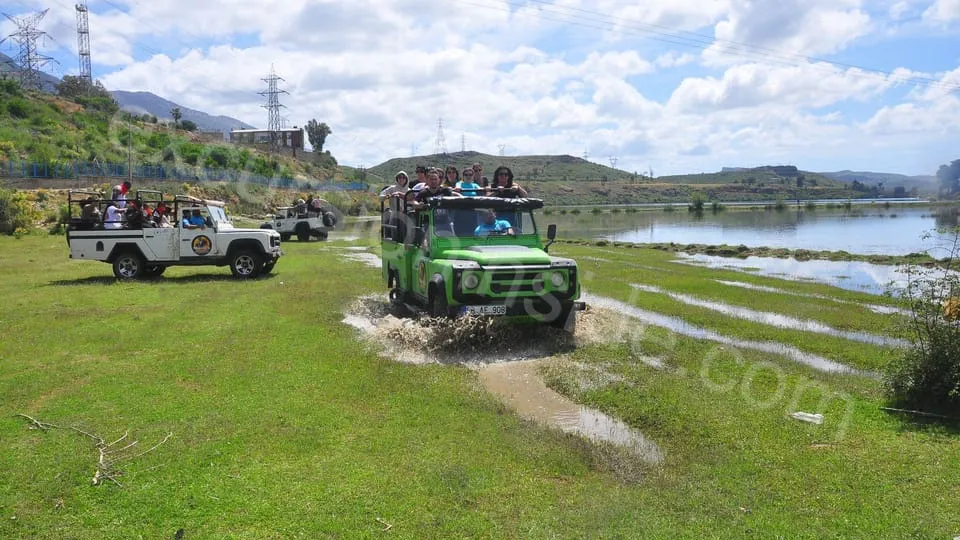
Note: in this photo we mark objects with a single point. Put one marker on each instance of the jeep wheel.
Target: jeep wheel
(303, 232)
(320, 235)
(266, 226)
(246, 264)
(267, 268)
(438, 305)
(285, 237)
(129, 265)
(567, 320)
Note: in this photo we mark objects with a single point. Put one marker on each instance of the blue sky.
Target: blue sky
(674, 85)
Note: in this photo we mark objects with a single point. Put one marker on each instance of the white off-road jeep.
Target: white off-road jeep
(145, 249)
(317, 222)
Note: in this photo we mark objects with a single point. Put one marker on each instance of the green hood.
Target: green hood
(498, 255)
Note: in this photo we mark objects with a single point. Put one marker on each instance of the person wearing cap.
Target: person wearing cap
(400, 187)
(113, 216)
(120, 193)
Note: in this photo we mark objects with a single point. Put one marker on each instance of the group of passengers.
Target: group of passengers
(436, 182)
(121, 213)
(310, 207)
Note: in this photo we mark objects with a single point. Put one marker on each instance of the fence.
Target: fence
(53, 171)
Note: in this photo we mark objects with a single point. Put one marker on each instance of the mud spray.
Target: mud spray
(507, 356)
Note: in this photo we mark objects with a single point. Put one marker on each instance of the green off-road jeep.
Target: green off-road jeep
(476, 255)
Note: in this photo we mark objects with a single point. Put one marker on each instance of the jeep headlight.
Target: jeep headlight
(556, 279)
(471, 281)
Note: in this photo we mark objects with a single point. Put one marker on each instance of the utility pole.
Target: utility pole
(129, 153)
(501, 147)
(29, 59)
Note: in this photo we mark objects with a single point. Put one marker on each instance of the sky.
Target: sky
(672, 86)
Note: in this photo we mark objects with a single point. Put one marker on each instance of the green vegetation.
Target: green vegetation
(81, 126)
(282, 424)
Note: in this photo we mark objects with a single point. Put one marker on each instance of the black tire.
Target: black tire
(267, 268)
(154, 270)
(303, 232)
(329, 219)
(438, 305)
(320, 235)
(285, 237)
(567, 320)
(246, 264)
(266, 226)
(129, 265)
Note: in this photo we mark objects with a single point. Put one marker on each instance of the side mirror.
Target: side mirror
(551, 236)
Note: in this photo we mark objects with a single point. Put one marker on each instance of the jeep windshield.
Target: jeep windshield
(218, 215)
(482, 222)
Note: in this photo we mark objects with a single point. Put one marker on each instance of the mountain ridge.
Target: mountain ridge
(142, 102)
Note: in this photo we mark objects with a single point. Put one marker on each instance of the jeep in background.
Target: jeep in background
(317, 224)
(147, 251)
(435, 259)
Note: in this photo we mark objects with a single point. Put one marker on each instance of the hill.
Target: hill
(525, 168)
(62, 134)
(922, 183)
(152, 104)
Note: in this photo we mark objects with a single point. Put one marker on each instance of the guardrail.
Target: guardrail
(66, 171)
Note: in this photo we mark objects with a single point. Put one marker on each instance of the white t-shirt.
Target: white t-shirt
(113, 218)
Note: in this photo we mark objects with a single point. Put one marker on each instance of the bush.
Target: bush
(15, 212)
(18, 108)
(927, 376)
(780, 205)
(697, 202)
(810, 205)
(716, 206)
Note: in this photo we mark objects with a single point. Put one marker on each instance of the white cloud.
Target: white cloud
(943, 11)
(673, 59)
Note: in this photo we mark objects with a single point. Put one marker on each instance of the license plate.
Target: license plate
(485, 310)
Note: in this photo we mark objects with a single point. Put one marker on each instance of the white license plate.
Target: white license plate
(485, 310)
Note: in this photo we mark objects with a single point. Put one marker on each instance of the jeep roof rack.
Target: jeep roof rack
(496, 203)
(194, 200)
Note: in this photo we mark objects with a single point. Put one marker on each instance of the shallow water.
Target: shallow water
(850, 275)
(522, 389)
(876, 308)
(678, 325)
(775, 319)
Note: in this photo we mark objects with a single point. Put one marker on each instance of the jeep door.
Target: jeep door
(196, 244)
(163, 242)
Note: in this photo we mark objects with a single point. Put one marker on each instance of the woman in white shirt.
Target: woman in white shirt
(113, 219)
(400, 187)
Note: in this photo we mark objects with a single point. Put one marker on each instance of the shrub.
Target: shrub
(927, 376)
(697, 202)
(18, 108)
(810, 205)
(716, 206)
(780, 205)
(15, 212)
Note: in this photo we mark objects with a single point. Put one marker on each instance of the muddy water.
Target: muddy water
(775, 319)
(521, 389)
(506, 357)
(876, 308)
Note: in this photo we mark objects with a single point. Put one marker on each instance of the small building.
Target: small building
(210, 136)
(288, 137)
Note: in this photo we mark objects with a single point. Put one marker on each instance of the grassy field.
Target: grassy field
(284, 424)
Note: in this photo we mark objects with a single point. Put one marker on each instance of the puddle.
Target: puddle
(521, 389)
(850, 275)
(776, 319)
(369, 259)
(678, 325)
(883, 310)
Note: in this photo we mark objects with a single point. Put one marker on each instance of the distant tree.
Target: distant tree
(93, 96)
(188, 125)
(177, 115)
(949, 177)
(800, 180)
(317, 134)
(899, 191)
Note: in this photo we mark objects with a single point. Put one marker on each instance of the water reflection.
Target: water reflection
(850, 275)
(864, 230)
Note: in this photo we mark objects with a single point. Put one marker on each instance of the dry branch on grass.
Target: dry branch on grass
(108, 455)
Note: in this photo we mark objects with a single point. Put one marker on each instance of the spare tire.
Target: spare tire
(329, 219)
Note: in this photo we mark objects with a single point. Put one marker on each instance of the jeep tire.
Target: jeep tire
(154, 270)
(303, 232)
(285, 237)
(438, 304)
(567, 320)
(129, 265)
(245, 263)
(329, 219)
(267, 268)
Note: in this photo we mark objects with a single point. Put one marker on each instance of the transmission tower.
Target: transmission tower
(83, 43)
(29, 59)
(501, 147)
(441, 144)
(613, 162)
(585, 154)
(273, 107)
(463, 142)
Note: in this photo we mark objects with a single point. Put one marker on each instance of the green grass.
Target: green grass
(284, 424)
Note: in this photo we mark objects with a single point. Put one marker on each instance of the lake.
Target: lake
(869, 230)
